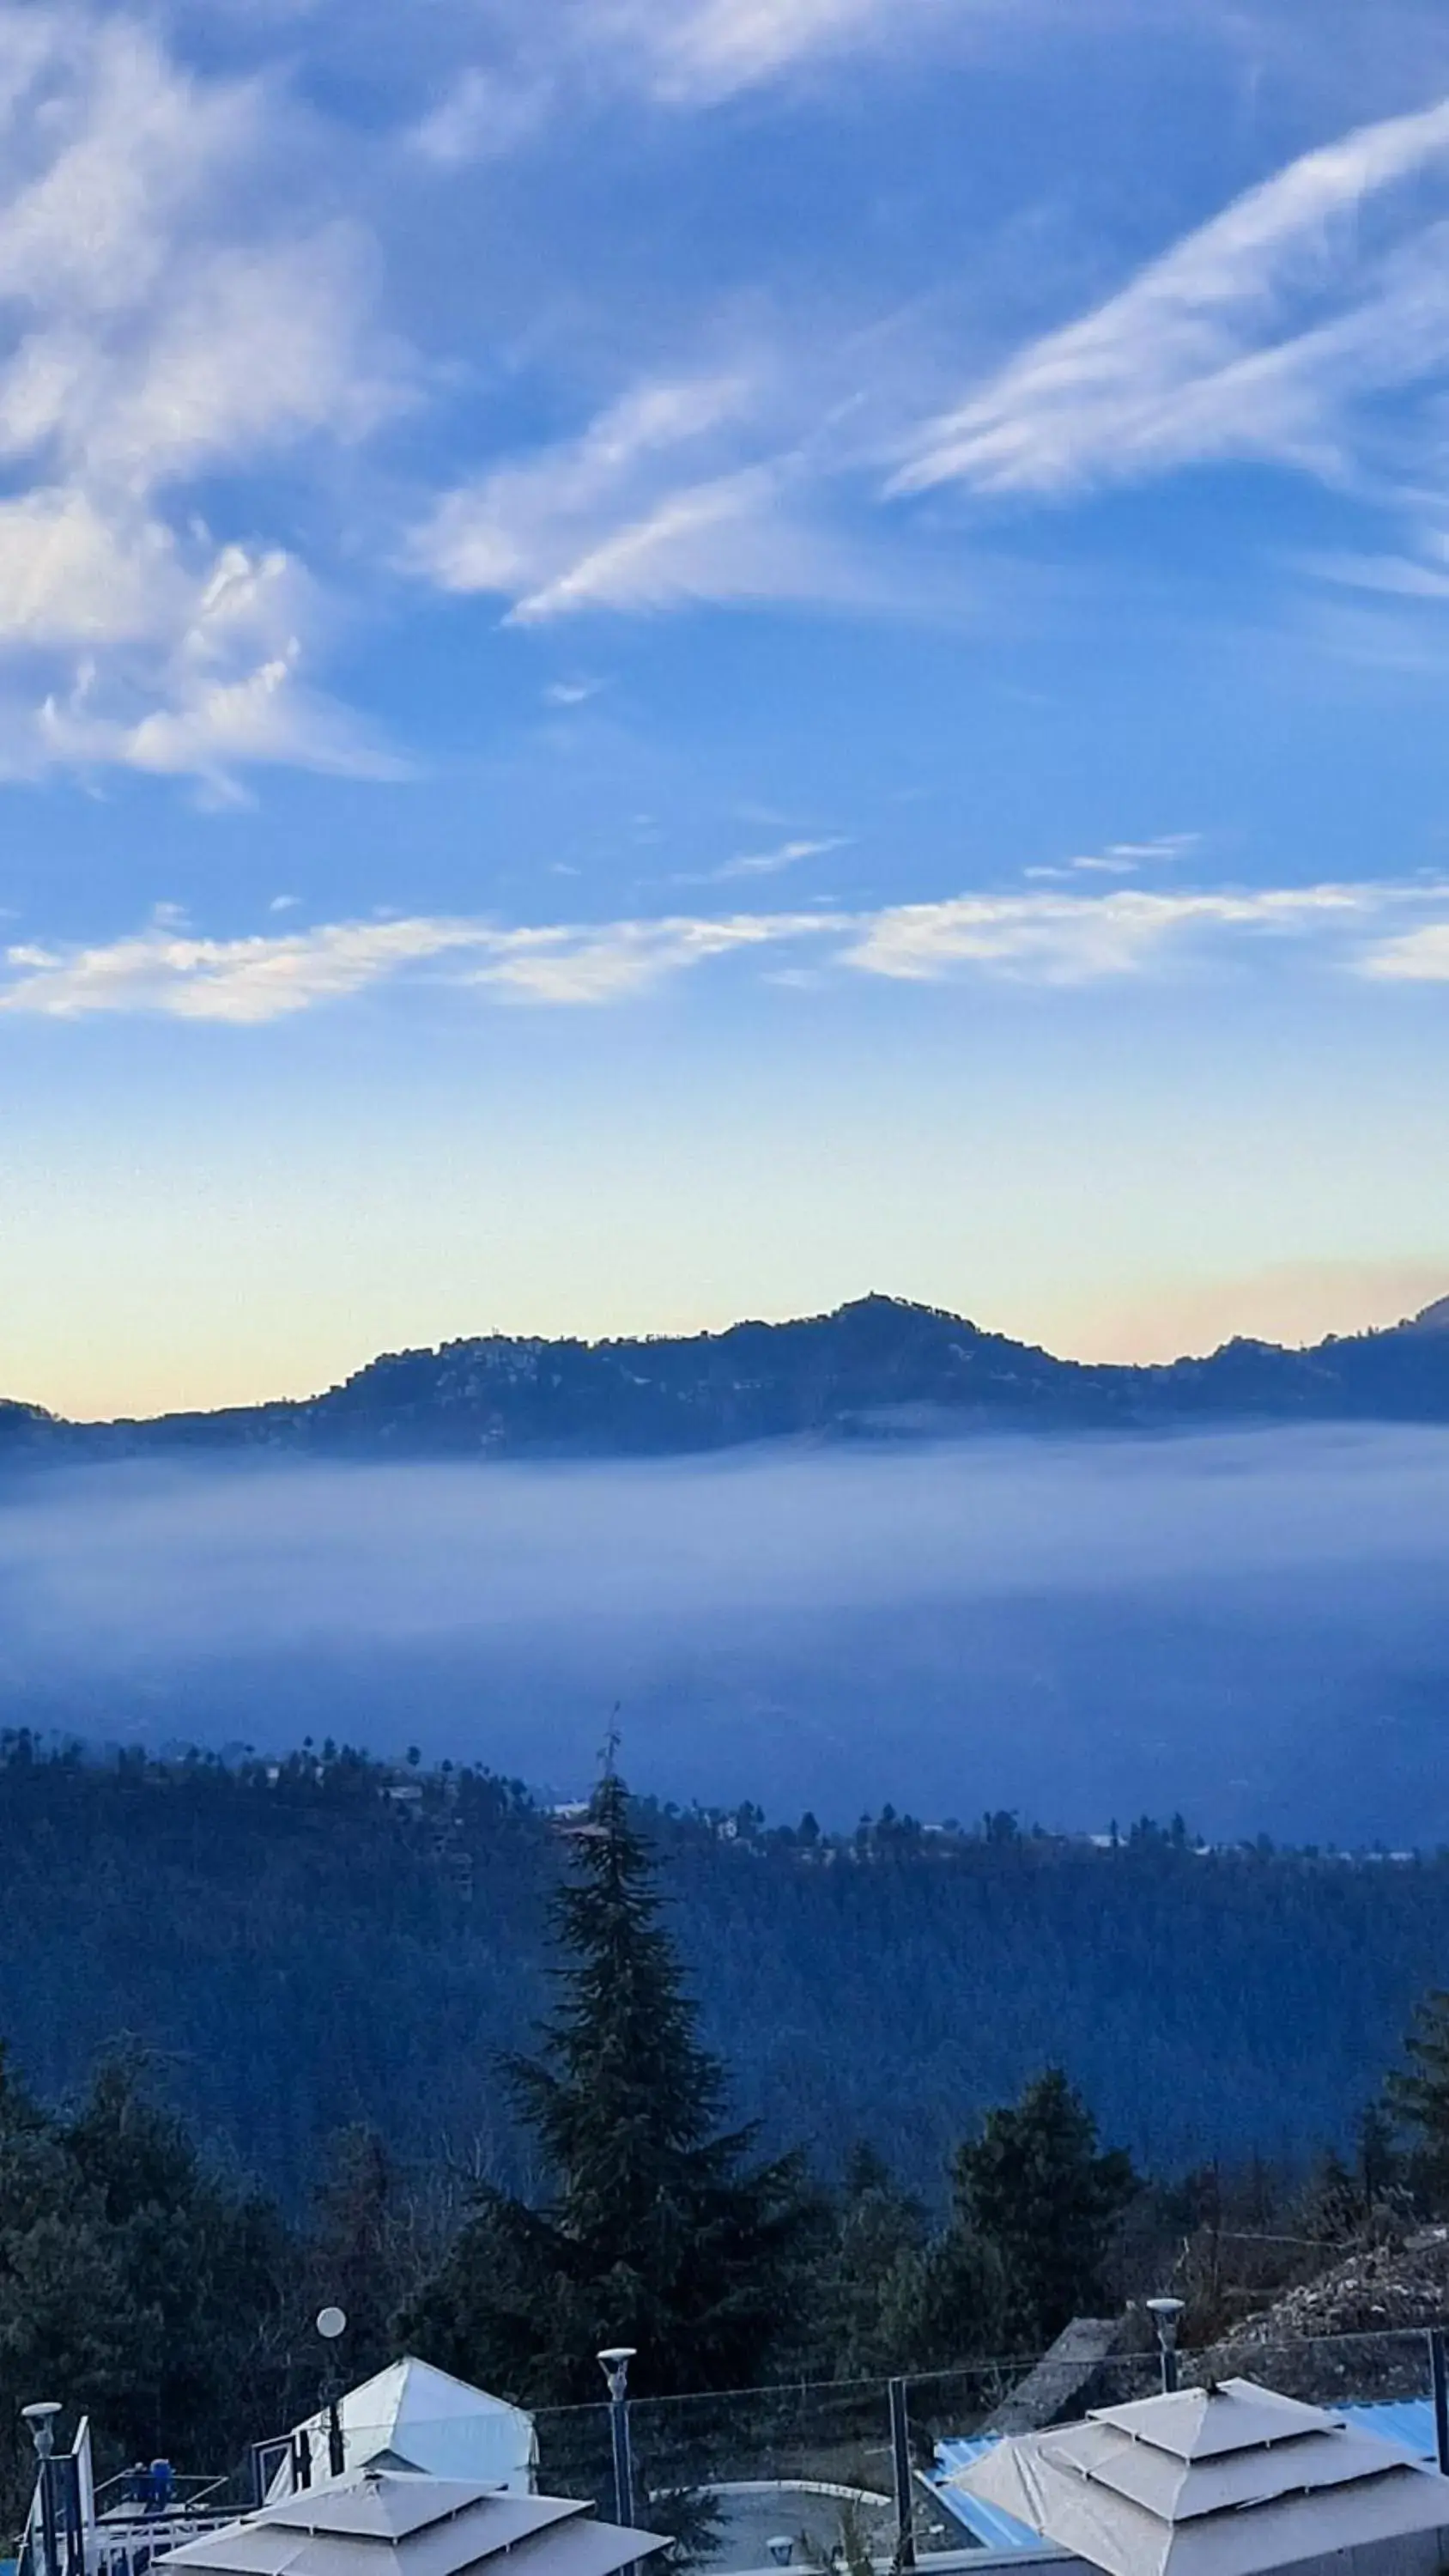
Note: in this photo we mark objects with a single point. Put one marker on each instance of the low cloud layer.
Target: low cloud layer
(1248, 1627)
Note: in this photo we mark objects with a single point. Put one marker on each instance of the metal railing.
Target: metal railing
(855, 2475)
(844, 2472)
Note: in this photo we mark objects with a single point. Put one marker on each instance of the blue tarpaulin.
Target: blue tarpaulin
(1406, 2420)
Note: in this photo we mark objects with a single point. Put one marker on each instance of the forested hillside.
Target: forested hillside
(324, 1941)
(879, 1365)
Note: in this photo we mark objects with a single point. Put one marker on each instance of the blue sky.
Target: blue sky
(667, 658)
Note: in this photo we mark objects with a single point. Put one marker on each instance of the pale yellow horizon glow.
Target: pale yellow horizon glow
(227, 1225)
(1296, 1303)
(1164, 1318)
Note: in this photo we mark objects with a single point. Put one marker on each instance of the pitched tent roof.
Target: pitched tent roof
(412, 2416)
(1204, 2423)
(1229, 2481)
(398, 2522)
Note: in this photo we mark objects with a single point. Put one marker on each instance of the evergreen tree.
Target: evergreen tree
(1331, 2208)
(1377, 2160)
(67, 2327)
(1418, 2098)
(134, 2285)
(205, 2274)
(869, 2278)
(363, 2253)
(658, 2231)
(1037, 2188)
(951, 2303)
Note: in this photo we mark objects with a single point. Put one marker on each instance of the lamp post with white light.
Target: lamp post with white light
(41, 2419)
(1165, 2313)
(332, 2322)
(614, 2362)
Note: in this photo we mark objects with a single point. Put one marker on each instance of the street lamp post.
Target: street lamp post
(614, 2362)
(41, 2419)
(332, 2322)
(1165, 2313)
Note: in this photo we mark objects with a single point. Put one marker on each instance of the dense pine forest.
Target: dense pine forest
(329, 1940)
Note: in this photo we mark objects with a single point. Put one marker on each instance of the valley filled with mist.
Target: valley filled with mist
(1249, 1627)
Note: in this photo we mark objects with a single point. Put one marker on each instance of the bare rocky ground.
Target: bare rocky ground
(1357, 2330)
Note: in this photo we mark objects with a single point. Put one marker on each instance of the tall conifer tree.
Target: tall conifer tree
(658, 2230)
(1038, 2188)
(1418, 2098)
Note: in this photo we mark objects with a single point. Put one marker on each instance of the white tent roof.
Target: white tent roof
(396, 2522)
(413, 2416)
(1230, 2481)
(1201, 2423)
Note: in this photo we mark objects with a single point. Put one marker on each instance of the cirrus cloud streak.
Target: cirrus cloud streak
(1040, 938)
(1260, 335)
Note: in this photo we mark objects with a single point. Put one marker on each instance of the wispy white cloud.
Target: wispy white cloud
(1422, 574)
(1033, 938)
(1069, 939)
(73, 576)
(165, 320)
(483, 114)
(773, 863)
(163, 323)
(695, 52)
(727, 539)
(265, 977)
(689, 488)
(571, 693)
(1262, 334)
(624, 517)
(1121, 858)
(165, 969)
(606, 963)
(1415, 957)
(1166, 847)
(221, 694)
(681, 55)
(263, 717)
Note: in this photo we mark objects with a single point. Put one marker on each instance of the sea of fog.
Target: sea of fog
(1249, 1627)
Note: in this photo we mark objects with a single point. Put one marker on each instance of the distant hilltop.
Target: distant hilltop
(877, 1369)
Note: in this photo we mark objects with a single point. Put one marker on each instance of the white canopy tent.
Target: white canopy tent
(412, 2416)
(397, 2522)
(1228, 2481)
